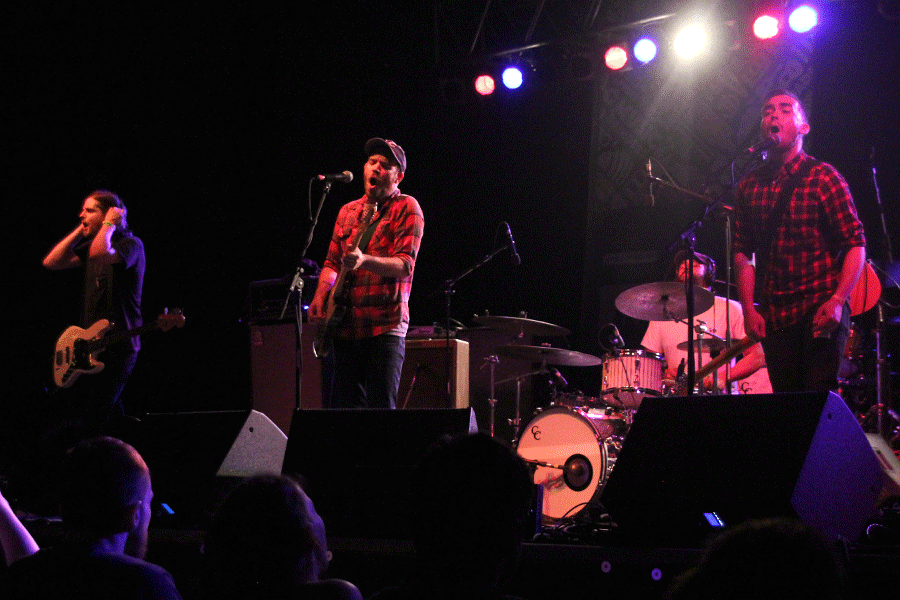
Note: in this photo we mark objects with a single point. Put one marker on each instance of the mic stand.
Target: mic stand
(686, 241)
(447, 290)
(297, 286)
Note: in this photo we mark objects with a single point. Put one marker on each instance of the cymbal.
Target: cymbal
(521, 325)
(551, 356)
(665, 301)
(708, 344)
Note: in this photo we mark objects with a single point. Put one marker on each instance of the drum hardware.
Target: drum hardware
(629, 375)
(546, 355)
(710, 342)
(577, 471)
(572, 452)
(491, 361)
(665, 301)
(521, 325)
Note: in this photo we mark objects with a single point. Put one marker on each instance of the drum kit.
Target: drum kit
(572, 444)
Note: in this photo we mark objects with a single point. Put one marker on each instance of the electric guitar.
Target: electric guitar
(77, 348)
(339, 296)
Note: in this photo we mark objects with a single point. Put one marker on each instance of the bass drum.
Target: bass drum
(571, 455)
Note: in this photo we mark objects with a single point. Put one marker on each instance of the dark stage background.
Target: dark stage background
(209, 120)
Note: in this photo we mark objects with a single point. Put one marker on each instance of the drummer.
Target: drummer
(748, 376)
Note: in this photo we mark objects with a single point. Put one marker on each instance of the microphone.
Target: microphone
(516, 259)
(615, 338)
(770, 142)
(652, 201)
(557, 376)
(345, 177)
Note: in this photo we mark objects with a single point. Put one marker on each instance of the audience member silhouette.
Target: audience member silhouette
(104, 499)
(775, 559)
(267, 541)
(15, 540)
(470, 500)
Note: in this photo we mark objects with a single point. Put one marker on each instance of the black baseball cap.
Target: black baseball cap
(388, 149)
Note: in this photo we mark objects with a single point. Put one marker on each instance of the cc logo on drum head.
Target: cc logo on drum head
(536, 432)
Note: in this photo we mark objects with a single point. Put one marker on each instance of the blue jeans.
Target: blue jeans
(367, 372)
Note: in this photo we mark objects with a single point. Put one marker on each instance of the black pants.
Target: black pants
(799, 362)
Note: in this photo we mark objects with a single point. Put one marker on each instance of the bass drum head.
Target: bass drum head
(562, 437)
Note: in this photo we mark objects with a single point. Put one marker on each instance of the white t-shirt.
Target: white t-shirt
(664, 336)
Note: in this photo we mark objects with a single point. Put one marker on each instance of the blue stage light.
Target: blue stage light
(512, 78)
(645, 50)
(803, 18)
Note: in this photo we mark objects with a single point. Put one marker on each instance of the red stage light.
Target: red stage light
(766, 27)
(616, 58)
(484, 85)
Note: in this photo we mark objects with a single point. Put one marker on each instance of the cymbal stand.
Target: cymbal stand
(517, 421)
(491, 361)
(447, 290)
(701, 331)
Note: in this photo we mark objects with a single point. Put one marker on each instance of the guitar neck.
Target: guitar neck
(724, 357)
(364, 222)
(118, 336)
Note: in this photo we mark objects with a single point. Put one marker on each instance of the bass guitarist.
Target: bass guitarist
(374, 266)
(112, 259)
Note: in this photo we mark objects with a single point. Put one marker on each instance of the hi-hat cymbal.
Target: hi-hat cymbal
(550, 356)
(708, 344)
(521, 325)
(665, 301)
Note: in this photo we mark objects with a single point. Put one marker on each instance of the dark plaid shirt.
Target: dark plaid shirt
(378, 304)
(818, 227)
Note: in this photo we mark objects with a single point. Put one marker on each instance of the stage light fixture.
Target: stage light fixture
(485, 85)
(645, 50)
(803, 18)
(691, 40)
(512, 77)
(766, 27)
(616, 57)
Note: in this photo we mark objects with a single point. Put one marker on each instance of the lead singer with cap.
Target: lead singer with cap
(797, 215)
(370, 341)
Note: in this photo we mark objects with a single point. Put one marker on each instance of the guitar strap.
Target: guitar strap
(767, 241)
(368, 233)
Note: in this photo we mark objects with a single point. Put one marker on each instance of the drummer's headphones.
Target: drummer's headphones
(709, 274)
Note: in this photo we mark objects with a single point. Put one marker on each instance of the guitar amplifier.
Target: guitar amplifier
(424, 381)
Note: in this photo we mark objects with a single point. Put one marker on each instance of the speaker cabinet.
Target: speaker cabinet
(689, 464)
(276, 360)
(356, 463)
(424, 381)
(190, 455)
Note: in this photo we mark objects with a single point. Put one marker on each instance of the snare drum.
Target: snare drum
(630, 375)
(572, 456)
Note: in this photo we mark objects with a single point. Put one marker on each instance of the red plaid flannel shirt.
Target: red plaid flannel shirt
(819, 227)
(378, 304)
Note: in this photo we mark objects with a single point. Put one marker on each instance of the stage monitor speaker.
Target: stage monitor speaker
(191, 454)
(355, 464)
(424, 381)
(689, 465)
(890, 466)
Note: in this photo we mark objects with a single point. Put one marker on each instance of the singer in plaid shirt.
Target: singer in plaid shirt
(370, 343)
(816, 255)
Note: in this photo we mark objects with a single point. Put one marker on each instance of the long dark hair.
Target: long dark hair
(107, 199)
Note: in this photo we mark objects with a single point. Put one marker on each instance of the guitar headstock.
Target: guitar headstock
(167, 320)
(368, 211)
